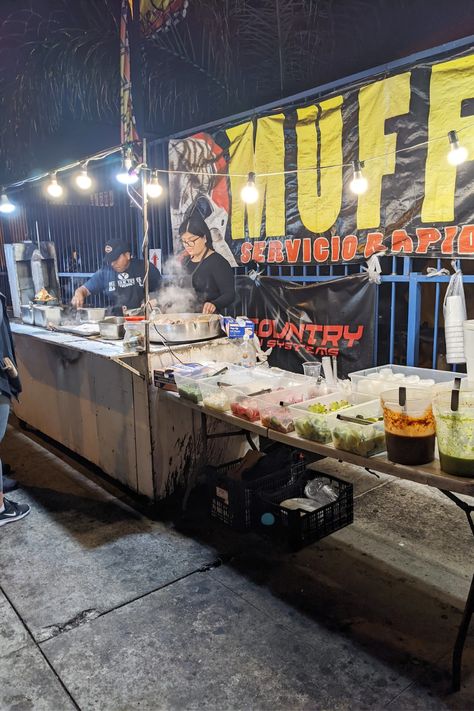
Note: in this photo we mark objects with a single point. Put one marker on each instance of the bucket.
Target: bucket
(468, 327)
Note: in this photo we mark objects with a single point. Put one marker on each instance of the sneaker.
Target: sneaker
(13, 512)
(9, 484)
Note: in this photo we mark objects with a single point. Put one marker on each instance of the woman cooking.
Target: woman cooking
(212, 276)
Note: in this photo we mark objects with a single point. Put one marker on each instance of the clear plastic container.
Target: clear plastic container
(188, 387)
(374, 381)
(315, 425)
(245, 406)
(216, 394)
(455, 432)
(276, 417)
(359, 438)
(409, 427)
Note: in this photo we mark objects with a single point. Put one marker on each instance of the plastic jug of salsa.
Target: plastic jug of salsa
(455, 432)
(409, 427)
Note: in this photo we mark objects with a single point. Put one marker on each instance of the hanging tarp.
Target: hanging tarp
(301, 323)
(416, 203)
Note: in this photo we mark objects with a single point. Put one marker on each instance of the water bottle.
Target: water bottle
(248, 357)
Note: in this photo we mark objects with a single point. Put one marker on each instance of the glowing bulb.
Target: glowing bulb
(83, 181)
(249, 192)
(127, 176)
(5, 205)
(154, 189)
(54, 189)
(457, 154)
(358, 184)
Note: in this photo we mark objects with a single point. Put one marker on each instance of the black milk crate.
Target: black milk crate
(233, 500)
(299, 528)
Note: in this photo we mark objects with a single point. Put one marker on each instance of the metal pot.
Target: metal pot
(112, 328)
(184, 328)
(42, 315)
(92, 314)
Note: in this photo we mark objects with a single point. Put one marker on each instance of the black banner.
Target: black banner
(300, 323)
(417, 202)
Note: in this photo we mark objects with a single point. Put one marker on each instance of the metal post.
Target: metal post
(414, 312)
(145, 250)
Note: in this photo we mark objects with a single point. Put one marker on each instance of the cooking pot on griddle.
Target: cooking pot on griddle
(184, 328)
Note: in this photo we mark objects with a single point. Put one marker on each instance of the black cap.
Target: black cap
(114, 248)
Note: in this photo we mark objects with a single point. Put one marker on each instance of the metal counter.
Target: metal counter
(94, 397)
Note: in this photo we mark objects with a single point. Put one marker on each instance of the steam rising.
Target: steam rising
(178, 296)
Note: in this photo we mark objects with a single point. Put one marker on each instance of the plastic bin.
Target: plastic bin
(366, 440)
(298, 527)
(188, 381)
(233, 500)
(315, 426)
(373, 381)
(276, 417)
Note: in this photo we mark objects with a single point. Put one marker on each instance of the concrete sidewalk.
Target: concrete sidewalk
(105, 609)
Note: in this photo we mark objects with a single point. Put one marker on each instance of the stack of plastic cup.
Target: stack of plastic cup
(454, 315)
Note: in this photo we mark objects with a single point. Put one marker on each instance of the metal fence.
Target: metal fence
(408, 312)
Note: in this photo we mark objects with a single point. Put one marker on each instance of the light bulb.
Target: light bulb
(358, 184)
(249, 192)
(5, 205)
(83, 181)
(154, 189)
(457, 154)
(54, 189)
(127, 176)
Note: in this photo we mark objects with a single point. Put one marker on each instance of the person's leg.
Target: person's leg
(4, 414)
(9, 510)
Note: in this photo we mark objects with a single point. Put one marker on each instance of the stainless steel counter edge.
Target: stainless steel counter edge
(101, 347)
(427, 474)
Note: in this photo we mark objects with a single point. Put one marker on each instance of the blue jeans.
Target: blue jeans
(4, 413)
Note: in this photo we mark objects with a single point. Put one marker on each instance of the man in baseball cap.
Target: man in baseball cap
(120, 279)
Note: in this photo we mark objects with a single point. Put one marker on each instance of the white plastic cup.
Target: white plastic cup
(455, 312)
(312, 368)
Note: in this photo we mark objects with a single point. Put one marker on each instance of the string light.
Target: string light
(457, 153)
(53, 188)
(154, 189)
(127, 175)
(6, 207)
(358, 184)
(249, 192)
(83, 180)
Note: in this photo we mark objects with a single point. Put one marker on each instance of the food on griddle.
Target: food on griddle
(44, 295)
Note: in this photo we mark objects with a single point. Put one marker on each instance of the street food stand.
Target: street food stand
(92, 396)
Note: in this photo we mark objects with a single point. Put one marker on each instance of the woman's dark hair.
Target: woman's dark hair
(196, 225)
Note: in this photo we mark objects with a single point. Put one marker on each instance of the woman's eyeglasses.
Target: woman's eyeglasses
(190, 242)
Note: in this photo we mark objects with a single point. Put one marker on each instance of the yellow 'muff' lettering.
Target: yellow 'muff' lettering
(452, 82)
(268, 157)
(319, 209)
(377, 103)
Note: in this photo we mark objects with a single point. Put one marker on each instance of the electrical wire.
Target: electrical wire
(106, 153)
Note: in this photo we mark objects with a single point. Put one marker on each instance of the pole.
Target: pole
(146, 252)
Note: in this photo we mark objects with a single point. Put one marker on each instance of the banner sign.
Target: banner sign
(300, 323)
(416, 203)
